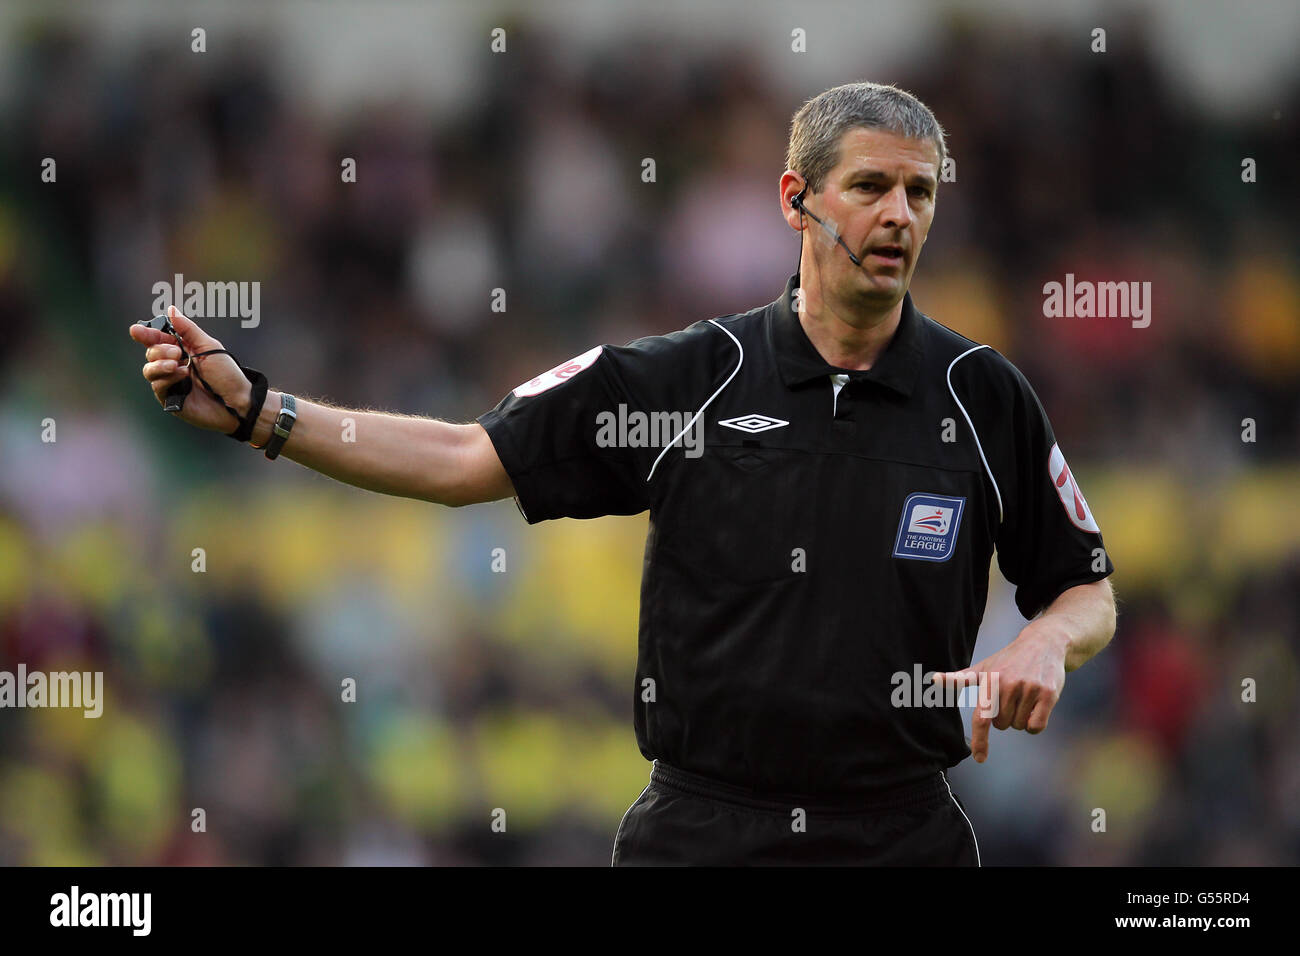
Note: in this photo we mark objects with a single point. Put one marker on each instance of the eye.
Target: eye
(921, 192)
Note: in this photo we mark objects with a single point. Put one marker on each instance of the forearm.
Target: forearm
(1081, 620)
(390, 454)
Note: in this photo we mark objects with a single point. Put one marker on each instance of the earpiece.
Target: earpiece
(796, 202)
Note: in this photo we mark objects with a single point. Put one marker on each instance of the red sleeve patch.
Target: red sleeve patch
(1067, 489)
(561, 373)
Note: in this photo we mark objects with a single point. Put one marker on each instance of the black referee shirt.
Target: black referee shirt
(818, 543)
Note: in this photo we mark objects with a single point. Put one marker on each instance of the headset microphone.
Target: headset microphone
(797, 203)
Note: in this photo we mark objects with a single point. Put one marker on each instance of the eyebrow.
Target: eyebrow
(875, 175)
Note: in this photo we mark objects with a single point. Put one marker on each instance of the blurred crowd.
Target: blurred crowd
(227, 600)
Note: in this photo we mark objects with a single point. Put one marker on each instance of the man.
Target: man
(827, 478)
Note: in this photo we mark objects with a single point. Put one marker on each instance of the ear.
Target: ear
(794, 189)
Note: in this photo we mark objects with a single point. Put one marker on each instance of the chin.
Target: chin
(877, 297)
(882, 287)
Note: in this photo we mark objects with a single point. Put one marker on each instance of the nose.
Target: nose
(895, 212)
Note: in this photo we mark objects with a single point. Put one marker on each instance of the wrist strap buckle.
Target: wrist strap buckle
(282, 426)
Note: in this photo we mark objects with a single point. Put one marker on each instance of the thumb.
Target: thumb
(194, 338)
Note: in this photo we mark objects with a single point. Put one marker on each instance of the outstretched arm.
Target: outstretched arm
(403, 455)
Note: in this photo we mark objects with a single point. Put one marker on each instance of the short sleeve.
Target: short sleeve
(545, 434)
(1049, 540)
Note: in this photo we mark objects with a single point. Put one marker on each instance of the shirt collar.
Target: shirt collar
(799, 361)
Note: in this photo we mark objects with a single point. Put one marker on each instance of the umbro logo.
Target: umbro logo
(753, 424)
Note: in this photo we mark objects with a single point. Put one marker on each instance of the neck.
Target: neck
(848, 338)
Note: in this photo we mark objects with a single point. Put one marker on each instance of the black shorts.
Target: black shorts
(683, 819)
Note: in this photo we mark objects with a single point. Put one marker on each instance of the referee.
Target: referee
(827, 476)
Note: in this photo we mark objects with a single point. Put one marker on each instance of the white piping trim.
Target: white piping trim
(958, 805)
(619, 831)
(706, 404)
(978, 446)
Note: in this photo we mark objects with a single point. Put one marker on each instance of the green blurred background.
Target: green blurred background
(480, 690)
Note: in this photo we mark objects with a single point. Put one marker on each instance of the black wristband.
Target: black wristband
(282, 426)
(246, 424)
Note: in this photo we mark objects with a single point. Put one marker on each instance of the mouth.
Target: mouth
(888, 252)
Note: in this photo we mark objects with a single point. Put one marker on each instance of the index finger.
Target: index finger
(147, 336)
(964, 678)
(979, 736)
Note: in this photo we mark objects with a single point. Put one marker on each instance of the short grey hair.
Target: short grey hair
(817, 128)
